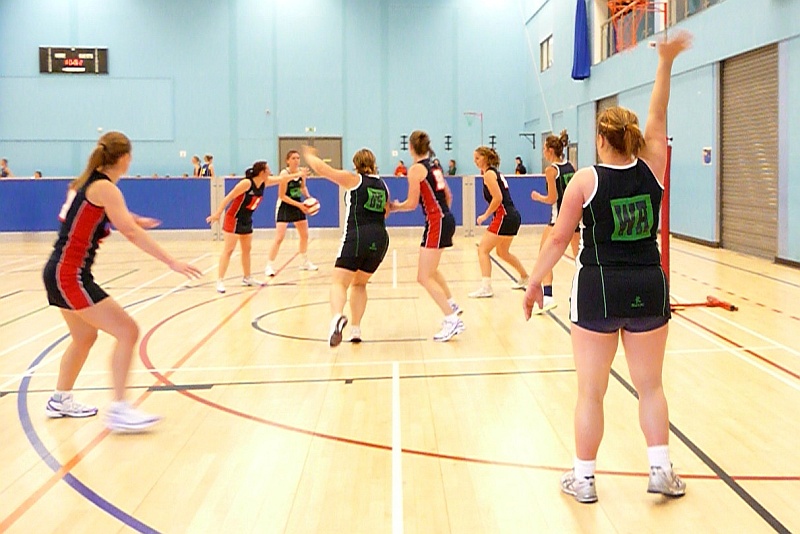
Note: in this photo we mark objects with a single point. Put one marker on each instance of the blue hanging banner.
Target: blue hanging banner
(582, 57)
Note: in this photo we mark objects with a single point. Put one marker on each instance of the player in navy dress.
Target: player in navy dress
(557, 175)
(86, 307)
(505, 224)
(428, 188)
(289, 208)
(244, 199)
(364, 240)
(619, 289)
(207, 168)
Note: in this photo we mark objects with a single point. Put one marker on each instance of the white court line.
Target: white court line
(738, 353)
(378, 363)
(35, 263)
(397, 454)
(7, 263)
(58, 355)
(753, 333)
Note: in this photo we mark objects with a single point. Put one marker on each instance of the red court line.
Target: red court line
(72, 462)
(164, 379)
(738, 345)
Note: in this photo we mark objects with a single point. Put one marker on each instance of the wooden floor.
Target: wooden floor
(267, 429)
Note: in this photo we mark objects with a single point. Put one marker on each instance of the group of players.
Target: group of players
(619, 290)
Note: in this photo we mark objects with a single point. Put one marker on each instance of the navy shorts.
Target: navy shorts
(634, 325)
(288, 213)
(71, 288)
(439, 232)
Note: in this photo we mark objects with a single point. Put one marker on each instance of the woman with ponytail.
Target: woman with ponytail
(428, 188)
(244, 199)
(557, 175)
(505, 224)
(86, 308)
(619, 289)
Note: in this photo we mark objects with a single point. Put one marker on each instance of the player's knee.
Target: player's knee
(85, 340)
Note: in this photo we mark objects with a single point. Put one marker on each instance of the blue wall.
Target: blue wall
(200, 75)
(722, 31)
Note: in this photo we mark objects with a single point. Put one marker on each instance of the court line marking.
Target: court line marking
(66, 468)
(371, 363)
(37, 310)
(62, 326)
(397, 454)
(753, 332)
(735, 267)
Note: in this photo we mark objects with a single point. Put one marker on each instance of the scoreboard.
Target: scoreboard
(70, 60)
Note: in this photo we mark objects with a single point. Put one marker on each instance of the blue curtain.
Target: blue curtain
(582, 58)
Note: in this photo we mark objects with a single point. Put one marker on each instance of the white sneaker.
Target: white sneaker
(355, 334)
(456, 309)
(250, 281)
(308, 266)
(522, 284)
(450, 328)
(269, 271)
(63, 405)
(583, 490)
(122, 417)
(665, 482)
(482, 293)
(547, 304)
(220, 286)
(337, 325)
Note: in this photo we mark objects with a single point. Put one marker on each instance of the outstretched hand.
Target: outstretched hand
(186, 269)
(673, 45)
(148, 222)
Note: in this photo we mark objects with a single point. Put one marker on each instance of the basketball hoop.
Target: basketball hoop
(629, 16)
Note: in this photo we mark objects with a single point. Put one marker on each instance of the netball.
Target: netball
(313, 205)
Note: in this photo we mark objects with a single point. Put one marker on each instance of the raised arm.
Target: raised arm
(655, 131)
(346, 179)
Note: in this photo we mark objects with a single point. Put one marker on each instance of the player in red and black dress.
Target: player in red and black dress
(365, 240)
(505, 223)
(557, 176)
(85, 306)
(244, 198)
(427, 186)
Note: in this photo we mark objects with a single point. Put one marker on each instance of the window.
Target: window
(546, 54)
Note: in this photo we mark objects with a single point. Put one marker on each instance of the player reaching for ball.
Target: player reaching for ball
(291, 209)
(365, 239)
(244, 198)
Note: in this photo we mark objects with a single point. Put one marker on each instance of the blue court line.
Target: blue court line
(52, 463)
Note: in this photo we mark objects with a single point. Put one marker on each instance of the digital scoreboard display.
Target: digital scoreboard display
(70, 60)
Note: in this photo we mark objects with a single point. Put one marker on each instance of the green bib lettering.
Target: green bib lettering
(633, 218)
(376, 200)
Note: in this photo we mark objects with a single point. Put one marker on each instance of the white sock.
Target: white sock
(58, 394)
(487, 282)
(304, 258)
(451, 302)
(659, 457)
(584, 468)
